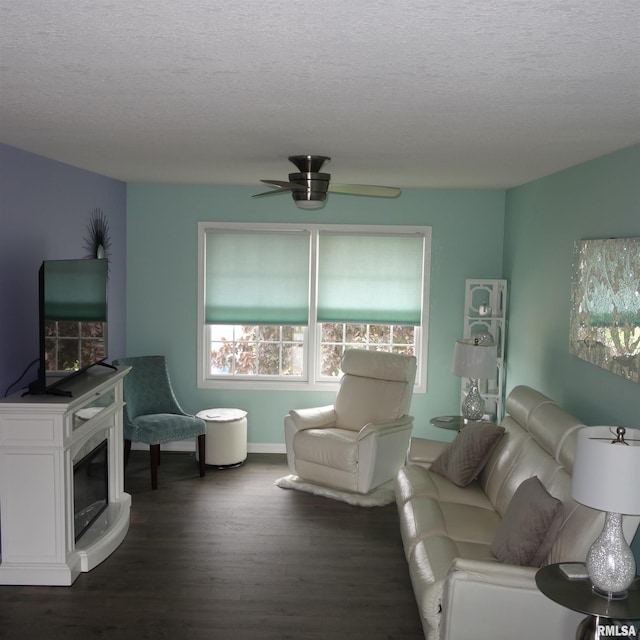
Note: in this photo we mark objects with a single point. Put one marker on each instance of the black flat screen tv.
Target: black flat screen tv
(72, 322)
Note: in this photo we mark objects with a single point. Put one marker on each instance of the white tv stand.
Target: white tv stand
(40, 438)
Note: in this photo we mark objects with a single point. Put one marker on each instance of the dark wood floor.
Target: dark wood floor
(231, 556)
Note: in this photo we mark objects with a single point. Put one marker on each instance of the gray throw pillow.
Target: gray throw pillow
(529, 526)
(466, 456)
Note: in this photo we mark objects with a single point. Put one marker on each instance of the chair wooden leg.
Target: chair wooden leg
(154, 451)
(201, 453)
(127, 452)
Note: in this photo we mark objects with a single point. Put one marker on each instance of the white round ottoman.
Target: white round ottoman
(226, 441)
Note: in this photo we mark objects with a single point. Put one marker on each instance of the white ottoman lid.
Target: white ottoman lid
(221, 415)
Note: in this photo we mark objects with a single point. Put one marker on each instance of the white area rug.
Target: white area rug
(379, 497)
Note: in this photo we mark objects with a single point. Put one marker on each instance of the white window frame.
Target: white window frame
(311, 381)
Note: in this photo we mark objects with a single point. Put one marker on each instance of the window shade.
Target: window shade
(371, 279)
(256, 278)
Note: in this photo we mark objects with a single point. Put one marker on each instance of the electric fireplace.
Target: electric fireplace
(90, 488)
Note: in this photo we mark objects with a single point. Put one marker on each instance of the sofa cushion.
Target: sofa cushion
(413, 481)
(465, 457)
(376, 387)
(425, 517)
(360, 401)
(380, 365)
(529, 527)
(330, 447)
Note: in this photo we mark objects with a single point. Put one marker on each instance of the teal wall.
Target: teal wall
(467, 242)
(543, 220)
(597, 199)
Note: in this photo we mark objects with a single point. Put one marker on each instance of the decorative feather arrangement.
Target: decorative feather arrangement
(97, 242)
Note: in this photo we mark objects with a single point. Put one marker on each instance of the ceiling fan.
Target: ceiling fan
(309, 187)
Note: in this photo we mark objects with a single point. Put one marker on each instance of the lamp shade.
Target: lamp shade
(606, 476)
(472, 359)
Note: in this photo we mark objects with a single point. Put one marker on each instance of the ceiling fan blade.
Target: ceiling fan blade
(282, 187)
(283, 184)
(273, 192)
(365, 190)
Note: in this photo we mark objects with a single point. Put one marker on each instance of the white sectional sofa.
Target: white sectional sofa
(462, 590)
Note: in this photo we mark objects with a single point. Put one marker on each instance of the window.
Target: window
(71, 345)
(256, 350)
(336, 337)
(279, 305)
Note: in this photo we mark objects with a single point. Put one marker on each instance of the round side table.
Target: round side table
(455, 423)
(578, 596)
(226, 441)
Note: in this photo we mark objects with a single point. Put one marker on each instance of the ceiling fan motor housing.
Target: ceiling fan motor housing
(309, 164)
(314, 185)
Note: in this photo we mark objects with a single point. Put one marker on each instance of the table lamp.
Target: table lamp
(472, 359)
(606, 476)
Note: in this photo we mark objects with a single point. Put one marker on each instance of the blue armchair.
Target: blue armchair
(152, 414)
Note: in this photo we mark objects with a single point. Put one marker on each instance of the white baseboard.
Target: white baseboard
(190, 445)
(266, 447)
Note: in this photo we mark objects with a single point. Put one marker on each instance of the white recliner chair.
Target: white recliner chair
(361, 441)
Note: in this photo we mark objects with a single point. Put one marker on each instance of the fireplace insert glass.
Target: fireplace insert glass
(90, 488)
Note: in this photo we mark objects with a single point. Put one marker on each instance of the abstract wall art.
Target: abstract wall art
(605, 305)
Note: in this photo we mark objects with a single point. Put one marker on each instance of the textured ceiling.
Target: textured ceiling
(410, 93)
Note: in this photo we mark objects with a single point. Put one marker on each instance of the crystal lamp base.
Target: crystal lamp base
(473, 404)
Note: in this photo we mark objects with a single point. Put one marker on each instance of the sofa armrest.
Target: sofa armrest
(499, 601)
(314, 418)
(423, 452)
(382, 428)
(301, 419)
(508, 575)
(382, 450)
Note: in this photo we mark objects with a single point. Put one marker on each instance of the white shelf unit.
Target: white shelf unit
(40, 439)
(482, 295)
